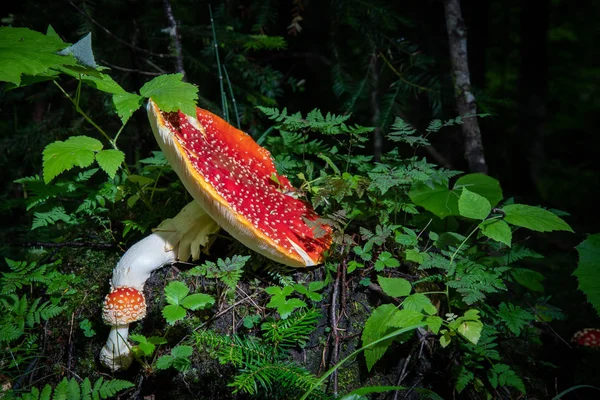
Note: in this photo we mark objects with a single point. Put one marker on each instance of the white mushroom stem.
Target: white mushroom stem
(116, 353)
(175, 238)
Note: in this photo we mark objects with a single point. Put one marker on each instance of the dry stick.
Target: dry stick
(334, 327)
(136, 71)
(401, 376)
(175, 41)
(115, 36)
(465, 100)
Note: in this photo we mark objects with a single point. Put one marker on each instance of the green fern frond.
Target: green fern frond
(286, 379)
(70, 389)
(235, 349)
(291, 331)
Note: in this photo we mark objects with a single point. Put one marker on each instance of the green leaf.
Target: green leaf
(473, 205)
(437, 199)
(404, 318)
(528, 278)
(419, 302)
(434, 323)
(470, 330)
(171, 94)
(182, 351)
(588, 269)
(497, 230)
(514, 317)
(534, 218)
(110, 160)
(443, 202)
(377, 327)
(198, 300)
(173, 313)
(395, 287)
(126, 104)
(481, 184)
(175, 292)
(59, 157)
(26, 52)
(164, 362)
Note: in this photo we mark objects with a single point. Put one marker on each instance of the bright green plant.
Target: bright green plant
(179, 299)
(71, 389)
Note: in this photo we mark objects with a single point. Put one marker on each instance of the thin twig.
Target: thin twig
(216, 46)
(115, 36)
(137, 71)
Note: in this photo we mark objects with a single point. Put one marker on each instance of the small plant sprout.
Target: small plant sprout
(176, 238)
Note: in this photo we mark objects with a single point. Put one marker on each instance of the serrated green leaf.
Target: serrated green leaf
(534, 218)
(419, 302)
(164, 362)
(175, 292)
(404, 318)
(497, 230)
(126, 104)
(198, 300)
(528, 278)
(470, 330)
(173, 313)
(395, 287)
(26, 52)
(588, 269)
(473, 205)
(170, 93)
(481, 184)
(434, 323)
(59, 157)
(376, 327)
(438, 199)
(110, 161)
(182, 351)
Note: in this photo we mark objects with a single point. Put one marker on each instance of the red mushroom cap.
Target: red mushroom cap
(123, 305)
(236, 183)
(589, 337)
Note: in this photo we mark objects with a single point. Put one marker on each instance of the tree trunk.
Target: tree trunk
(465, 100)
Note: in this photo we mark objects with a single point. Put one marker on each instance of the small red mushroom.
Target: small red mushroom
(589, 337)
(122, 306)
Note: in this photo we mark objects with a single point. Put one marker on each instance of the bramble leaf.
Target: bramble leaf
(395, 287)
(375, 328)
(26, 52)
(110, 160)
(473, 205)
(497, 230)
(175, 292)
(197, 300)
(59, 156)
(170, 93)
(588, 269)
(534, 218)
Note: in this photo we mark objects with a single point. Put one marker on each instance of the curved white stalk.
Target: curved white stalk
(116, 353)
(175, 238)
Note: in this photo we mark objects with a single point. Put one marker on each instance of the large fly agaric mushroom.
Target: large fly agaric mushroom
(236, 186)
(236, 183)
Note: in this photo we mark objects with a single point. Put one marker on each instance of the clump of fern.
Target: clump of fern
(70, 389)
(263, 362)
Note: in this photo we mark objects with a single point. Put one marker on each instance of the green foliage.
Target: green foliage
(587, 271)
(70, 389)
(170, 93)
(534, 218)
(145, 346)
(229, 271)
(179, 299)
(26, 52)
(280, 301)
(178, 359)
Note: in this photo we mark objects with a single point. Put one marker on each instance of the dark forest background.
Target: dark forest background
(534, 69)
